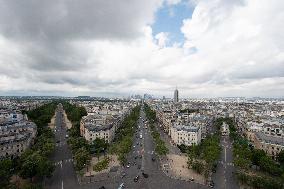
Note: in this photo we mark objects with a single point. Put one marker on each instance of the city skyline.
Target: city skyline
(207, 48)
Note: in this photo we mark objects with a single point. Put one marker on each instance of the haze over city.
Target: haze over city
(207, 48)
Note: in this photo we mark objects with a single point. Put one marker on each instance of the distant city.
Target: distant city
(162, 145)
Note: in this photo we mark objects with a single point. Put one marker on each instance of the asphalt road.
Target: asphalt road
(64, 176)
(223, 178)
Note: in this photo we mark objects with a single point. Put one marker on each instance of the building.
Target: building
(97, 126)
(225, 129)
(270, 144)
(176, 96)
(16, 137)
(185, 134)
(106, 132)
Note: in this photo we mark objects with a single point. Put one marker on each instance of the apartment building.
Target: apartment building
(270, 144)
(16, 137)
(185, 134)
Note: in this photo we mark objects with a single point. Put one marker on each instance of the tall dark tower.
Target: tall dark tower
(176, 96)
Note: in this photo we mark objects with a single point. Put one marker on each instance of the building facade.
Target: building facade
(185, 134)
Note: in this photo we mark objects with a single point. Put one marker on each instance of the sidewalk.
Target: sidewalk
(51, 125)
(174, 165)
(66, 120)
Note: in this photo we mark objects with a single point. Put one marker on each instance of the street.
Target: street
(156, 178)
(140, 159)
(64, 175)
(224, 178)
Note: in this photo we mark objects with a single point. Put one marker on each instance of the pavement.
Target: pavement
(64, 175)
(224, 178)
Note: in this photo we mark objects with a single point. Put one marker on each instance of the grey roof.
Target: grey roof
(270, 139)
(188, 128)
(96, 128)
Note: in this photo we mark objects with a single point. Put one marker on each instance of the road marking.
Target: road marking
(61, 165)
(225, 155)
(62, 184)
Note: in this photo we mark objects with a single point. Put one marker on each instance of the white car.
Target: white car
(121, 186)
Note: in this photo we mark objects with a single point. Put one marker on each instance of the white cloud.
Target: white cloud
(162, 39)
(173, 2)
(232, 48)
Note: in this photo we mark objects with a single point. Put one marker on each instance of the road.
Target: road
(157, 179)
(64, 176)
(223, 178)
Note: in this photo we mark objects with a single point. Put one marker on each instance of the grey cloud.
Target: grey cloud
(46, 30)
(67, 19)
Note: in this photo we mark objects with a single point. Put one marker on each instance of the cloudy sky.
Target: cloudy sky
(207, 48)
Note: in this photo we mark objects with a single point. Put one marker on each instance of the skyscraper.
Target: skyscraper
(176, 96)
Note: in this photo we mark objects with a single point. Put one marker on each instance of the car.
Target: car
(191, 179)
(128, 165)
(136, 178)
(66, 136)
(145, 175)
(121, 186)
(57, 141)
(211, 184)
(153, 159)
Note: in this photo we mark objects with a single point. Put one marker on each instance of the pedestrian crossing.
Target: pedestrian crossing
(63, 161)
(145, 152)
(60, 144)
(221, 162)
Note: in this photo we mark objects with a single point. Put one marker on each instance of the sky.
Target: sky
(205, 48)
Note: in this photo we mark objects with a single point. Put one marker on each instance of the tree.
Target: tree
(82, 157)
(257, 155)
(280, 157)
(6, 166)
(198, 166)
